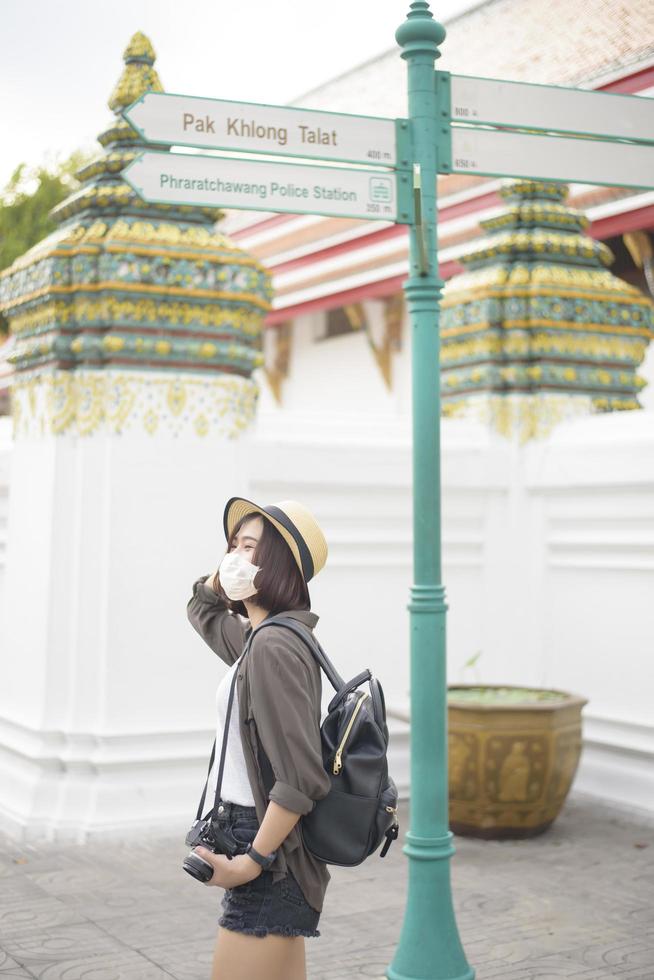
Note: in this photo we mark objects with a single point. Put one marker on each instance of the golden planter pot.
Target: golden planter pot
(513, 753)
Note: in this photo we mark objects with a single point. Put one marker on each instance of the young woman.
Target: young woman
(273, 767)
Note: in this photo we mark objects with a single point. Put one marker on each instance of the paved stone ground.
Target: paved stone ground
(575, 903)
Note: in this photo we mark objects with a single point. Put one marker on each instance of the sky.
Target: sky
(61, 60)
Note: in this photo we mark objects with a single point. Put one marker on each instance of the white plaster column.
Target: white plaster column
(106, 692)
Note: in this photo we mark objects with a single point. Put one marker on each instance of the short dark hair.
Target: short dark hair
(281, 586)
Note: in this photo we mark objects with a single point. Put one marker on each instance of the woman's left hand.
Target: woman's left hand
(226, 873)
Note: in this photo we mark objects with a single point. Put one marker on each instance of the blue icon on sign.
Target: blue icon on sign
(381, 190)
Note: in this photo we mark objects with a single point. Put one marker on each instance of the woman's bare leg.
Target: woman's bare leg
(238, 956)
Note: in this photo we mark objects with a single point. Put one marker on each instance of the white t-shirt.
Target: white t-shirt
(235, 785)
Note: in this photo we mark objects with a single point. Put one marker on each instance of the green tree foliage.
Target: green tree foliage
(25, 205)
(26, 202)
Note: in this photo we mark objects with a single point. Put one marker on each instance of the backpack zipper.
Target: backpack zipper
(338, 761)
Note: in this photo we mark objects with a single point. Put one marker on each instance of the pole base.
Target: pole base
(392, 974)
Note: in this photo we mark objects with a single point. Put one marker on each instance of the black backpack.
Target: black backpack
(360, 809)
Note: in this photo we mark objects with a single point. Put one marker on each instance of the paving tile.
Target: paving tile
(24, 863)
(9, 966)
(73, 879)
(84, 939)
(146, 929)
(106, 903)
(127, 966)
(16, 890)
(573, 904)
(188, 959)
(39, 913)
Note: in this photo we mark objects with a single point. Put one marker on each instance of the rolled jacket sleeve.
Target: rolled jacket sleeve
(210, 616)
(286, 711)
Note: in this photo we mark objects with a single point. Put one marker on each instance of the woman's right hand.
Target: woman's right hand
(210, 579)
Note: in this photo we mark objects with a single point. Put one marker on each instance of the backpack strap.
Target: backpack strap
(333, 676)
(340, 686)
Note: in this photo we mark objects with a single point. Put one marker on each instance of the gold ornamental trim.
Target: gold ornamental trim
(552, 324)
(534, 344)
(37, 253)
(179, 316)
(528, 416)
(96, 245)
(163, 233)
(144, 250)
(110, 163)
(88, 402)
(505, 290)
(180, 291)
(544, 277)
(234, 258)
(94, 240)
(530, 322)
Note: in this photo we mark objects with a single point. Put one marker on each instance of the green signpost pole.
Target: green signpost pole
(429, 946)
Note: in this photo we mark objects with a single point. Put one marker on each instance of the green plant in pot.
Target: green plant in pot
(513, 753)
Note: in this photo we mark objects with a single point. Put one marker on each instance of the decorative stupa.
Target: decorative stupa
(133, 313)
(537, 329)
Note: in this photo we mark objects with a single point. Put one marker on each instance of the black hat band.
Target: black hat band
(287, 523)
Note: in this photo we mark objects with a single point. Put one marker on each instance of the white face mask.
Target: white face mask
(236, 576)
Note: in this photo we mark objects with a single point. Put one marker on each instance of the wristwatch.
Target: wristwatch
(265, 862)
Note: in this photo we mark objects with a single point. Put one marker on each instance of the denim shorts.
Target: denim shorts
(260, 907)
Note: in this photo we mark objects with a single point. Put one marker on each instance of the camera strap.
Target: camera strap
(223, 750)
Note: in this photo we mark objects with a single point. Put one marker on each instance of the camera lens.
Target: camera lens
(198, 868)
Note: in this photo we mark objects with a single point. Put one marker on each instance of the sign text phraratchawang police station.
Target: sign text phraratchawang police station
(251, 183)
(329, 163)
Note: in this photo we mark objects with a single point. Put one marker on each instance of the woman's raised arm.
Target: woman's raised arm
(209, 615)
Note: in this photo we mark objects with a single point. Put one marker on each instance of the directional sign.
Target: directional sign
(498, 153)
(548, 107)
(213, 181)
(184, 120)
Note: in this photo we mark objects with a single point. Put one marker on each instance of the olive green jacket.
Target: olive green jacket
(279, 700)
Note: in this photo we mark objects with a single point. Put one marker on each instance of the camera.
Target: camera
(215, 838)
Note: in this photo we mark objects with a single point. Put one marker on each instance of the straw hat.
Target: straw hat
(294, 522)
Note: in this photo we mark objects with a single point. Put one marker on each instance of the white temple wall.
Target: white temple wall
(548, 548)
(107, 695)
(107, 700)
(646, 371)
(6, 446)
